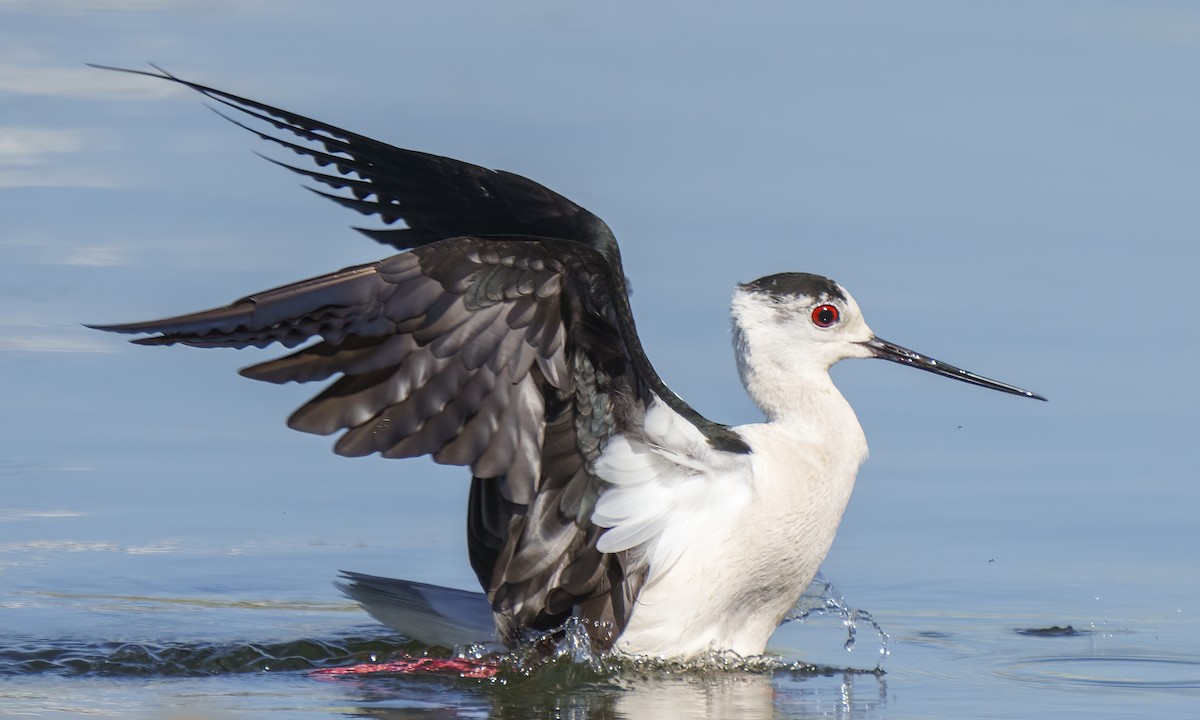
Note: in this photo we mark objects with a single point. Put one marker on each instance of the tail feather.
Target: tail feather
(427, 613)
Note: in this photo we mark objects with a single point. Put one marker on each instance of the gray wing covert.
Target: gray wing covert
(502, 355)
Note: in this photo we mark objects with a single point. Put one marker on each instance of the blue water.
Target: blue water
(1010, 187)
(165, 591)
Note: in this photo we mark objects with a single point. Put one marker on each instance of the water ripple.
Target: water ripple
(188, 659)
(1116, 671)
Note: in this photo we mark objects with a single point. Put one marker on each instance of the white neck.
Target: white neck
(787, 379)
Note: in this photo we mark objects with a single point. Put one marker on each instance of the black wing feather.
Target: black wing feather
(465, 384)
(437, 197)
(502, 341)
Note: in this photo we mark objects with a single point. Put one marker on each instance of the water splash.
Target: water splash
(562, 656)
(567, 655)
(822, 598)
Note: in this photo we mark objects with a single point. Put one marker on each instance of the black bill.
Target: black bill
(890, 351)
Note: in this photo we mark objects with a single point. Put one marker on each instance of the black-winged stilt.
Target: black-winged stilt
(502, 339)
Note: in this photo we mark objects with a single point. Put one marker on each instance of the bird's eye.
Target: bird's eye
(825, 315)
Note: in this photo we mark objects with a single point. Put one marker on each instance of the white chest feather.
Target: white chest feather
(731, 540)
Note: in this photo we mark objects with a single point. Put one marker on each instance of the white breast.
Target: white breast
(731, 540)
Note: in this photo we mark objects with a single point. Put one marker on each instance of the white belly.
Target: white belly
(746, 562)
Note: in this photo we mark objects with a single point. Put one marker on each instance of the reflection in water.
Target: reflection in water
(715, 695)
(751, 696)
(529, 685)
(567, 683)
(552, 676)
(733, 695)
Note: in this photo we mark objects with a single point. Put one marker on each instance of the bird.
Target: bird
(501, 338)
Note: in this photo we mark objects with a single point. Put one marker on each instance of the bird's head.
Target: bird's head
(790, 328)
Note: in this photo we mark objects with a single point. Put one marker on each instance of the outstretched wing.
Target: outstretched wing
(440, 198)
(502, 341)
(501, 355)
(436, 197)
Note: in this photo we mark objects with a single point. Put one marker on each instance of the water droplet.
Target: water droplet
(821, 598)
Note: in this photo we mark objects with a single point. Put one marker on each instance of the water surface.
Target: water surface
(1010, 187)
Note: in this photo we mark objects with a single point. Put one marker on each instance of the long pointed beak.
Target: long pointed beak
(890, 351)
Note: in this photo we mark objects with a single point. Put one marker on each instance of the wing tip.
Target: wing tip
(160, 73)
(131, 329)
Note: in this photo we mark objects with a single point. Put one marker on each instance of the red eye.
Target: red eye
(825, 315)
